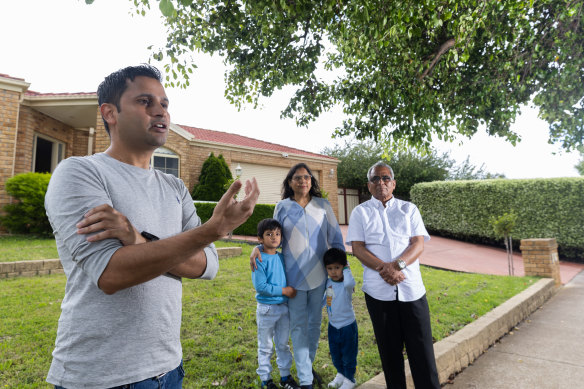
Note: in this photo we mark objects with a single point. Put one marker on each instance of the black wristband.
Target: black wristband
(149, 236)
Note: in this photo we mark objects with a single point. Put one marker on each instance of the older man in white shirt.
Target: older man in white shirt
(387, 236)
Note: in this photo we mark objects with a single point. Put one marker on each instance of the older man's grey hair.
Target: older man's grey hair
(372, 169)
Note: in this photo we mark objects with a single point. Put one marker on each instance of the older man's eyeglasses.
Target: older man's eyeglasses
(305, 177)
(376, 179)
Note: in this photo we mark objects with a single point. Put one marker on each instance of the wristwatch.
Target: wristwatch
(401, 264)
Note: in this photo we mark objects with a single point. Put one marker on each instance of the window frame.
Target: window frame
(57, 151)
(164, 152)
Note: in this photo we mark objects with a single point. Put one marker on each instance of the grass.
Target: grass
(218, 326)
(26, 247)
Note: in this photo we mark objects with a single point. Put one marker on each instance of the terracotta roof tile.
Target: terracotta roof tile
(9, 76)
(239, 140)
(65, 94)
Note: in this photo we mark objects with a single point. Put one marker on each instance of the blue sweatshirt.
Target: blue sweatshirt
(338, 300)
(269, 279)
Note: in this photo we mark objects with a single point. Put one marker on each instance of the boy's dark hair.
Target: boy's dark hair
(268, 224)
(113, 86)
(334, 255)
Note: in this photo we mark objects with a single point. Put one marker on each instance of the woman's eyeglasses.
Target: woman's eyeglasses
(305, 177)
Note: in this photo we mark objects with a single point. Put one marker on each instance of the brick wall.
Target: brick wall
(54, 266)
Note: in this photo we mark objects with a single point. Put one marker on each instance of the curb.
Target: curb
(53, 266)
(460, 349)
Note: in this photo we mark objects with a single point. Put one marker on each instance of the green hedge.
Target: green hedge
(27, 214)
(260, 212)
(546, 208)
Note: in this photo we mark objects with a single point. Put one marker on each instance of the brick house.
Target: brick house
(38, 130)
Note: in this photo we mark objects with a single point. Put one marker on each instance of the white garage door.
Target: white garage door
(269, 179)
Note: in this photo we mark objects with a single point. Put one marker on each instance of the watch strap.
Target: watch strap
(149, 236)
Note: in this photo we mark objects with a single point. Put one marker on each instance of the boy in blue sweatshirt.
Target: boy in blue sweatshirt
(269, 281)
(343, 335)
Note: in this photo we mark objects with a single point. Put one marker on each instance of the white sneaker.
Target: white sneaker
(347, 384)
(337, 382)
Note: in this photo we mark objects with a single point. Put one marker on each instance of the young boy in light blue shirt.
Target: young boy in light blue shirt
(343, 335)
(269, 281)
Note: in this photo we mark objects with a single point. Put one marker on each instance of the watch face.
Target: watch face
(401, 264)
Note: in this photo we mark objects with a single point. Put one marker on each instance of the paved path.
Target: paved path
(545, 351)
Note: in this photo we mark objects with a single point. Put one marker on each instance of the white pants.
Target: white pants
(273, 323)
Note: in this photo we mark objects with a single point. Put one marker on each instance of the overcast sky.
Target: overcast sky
(68, 46)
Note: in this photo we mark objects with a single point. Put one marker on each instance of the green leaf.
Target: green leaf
(167, 8)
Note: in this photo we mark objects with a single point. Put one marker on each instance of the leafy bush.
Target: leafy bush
(27, 214)
(546, 208)
(260, 212)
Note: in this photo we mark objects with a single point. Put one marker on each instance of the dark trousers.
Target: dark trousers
(396, 323)
(344, 345)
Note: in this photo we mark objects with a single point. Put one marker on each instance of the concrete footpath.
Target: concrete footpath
(545, 351)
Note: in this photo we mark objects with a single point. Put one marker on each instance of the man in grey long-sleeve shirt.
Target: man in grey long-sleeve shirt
(126, 234)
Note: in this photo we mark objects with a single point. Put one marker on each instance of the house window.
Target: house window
(47, 153)
(166, 161)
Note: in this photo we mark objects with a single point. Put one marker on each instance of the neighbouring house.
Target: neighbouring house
(38, 130)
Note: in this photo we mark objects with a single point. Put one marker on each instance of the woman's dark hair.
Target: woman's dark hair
(287, 191)
(113, 86)
(268, 224)
(335, 255)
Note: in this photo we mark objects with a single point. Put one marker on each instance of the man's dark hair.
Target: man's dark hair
(287, 189)
(268, 224)
(335, 255)
(113, 86)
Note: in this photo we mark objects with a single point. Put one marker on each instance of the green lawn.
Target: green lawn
(26, 247)
(218, 329)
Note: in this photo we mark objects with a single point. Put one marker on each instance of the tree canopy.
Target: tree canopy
(580, 165)
(409, 168)
(404, 71)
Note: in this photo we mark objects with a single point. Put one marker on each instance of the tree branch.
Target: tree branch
(443, 49)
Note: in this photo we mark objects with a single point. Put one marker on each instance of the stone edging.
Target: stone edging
(53, 266)
(460, 349)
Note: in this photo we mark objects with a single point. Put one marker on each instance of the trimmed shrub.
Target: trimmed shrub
(27, 214)
(205, 210)
(260, 212)
(545, 208)
(214, 175)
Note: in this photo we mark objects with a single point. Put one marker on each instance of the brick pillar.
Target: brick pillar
(11, 91)
(101, 140)
(540, 258)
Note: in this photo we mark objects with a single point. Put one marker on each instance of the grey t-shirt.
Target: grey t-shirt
(110, 340)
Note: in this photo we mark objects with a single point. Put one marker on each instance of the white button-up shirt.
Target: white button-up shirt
(386, 232)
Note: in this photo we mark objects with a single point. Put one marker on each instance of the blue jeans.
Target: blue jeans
(273, 329)
(171, 380)
(344, 345)
(305, 318)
